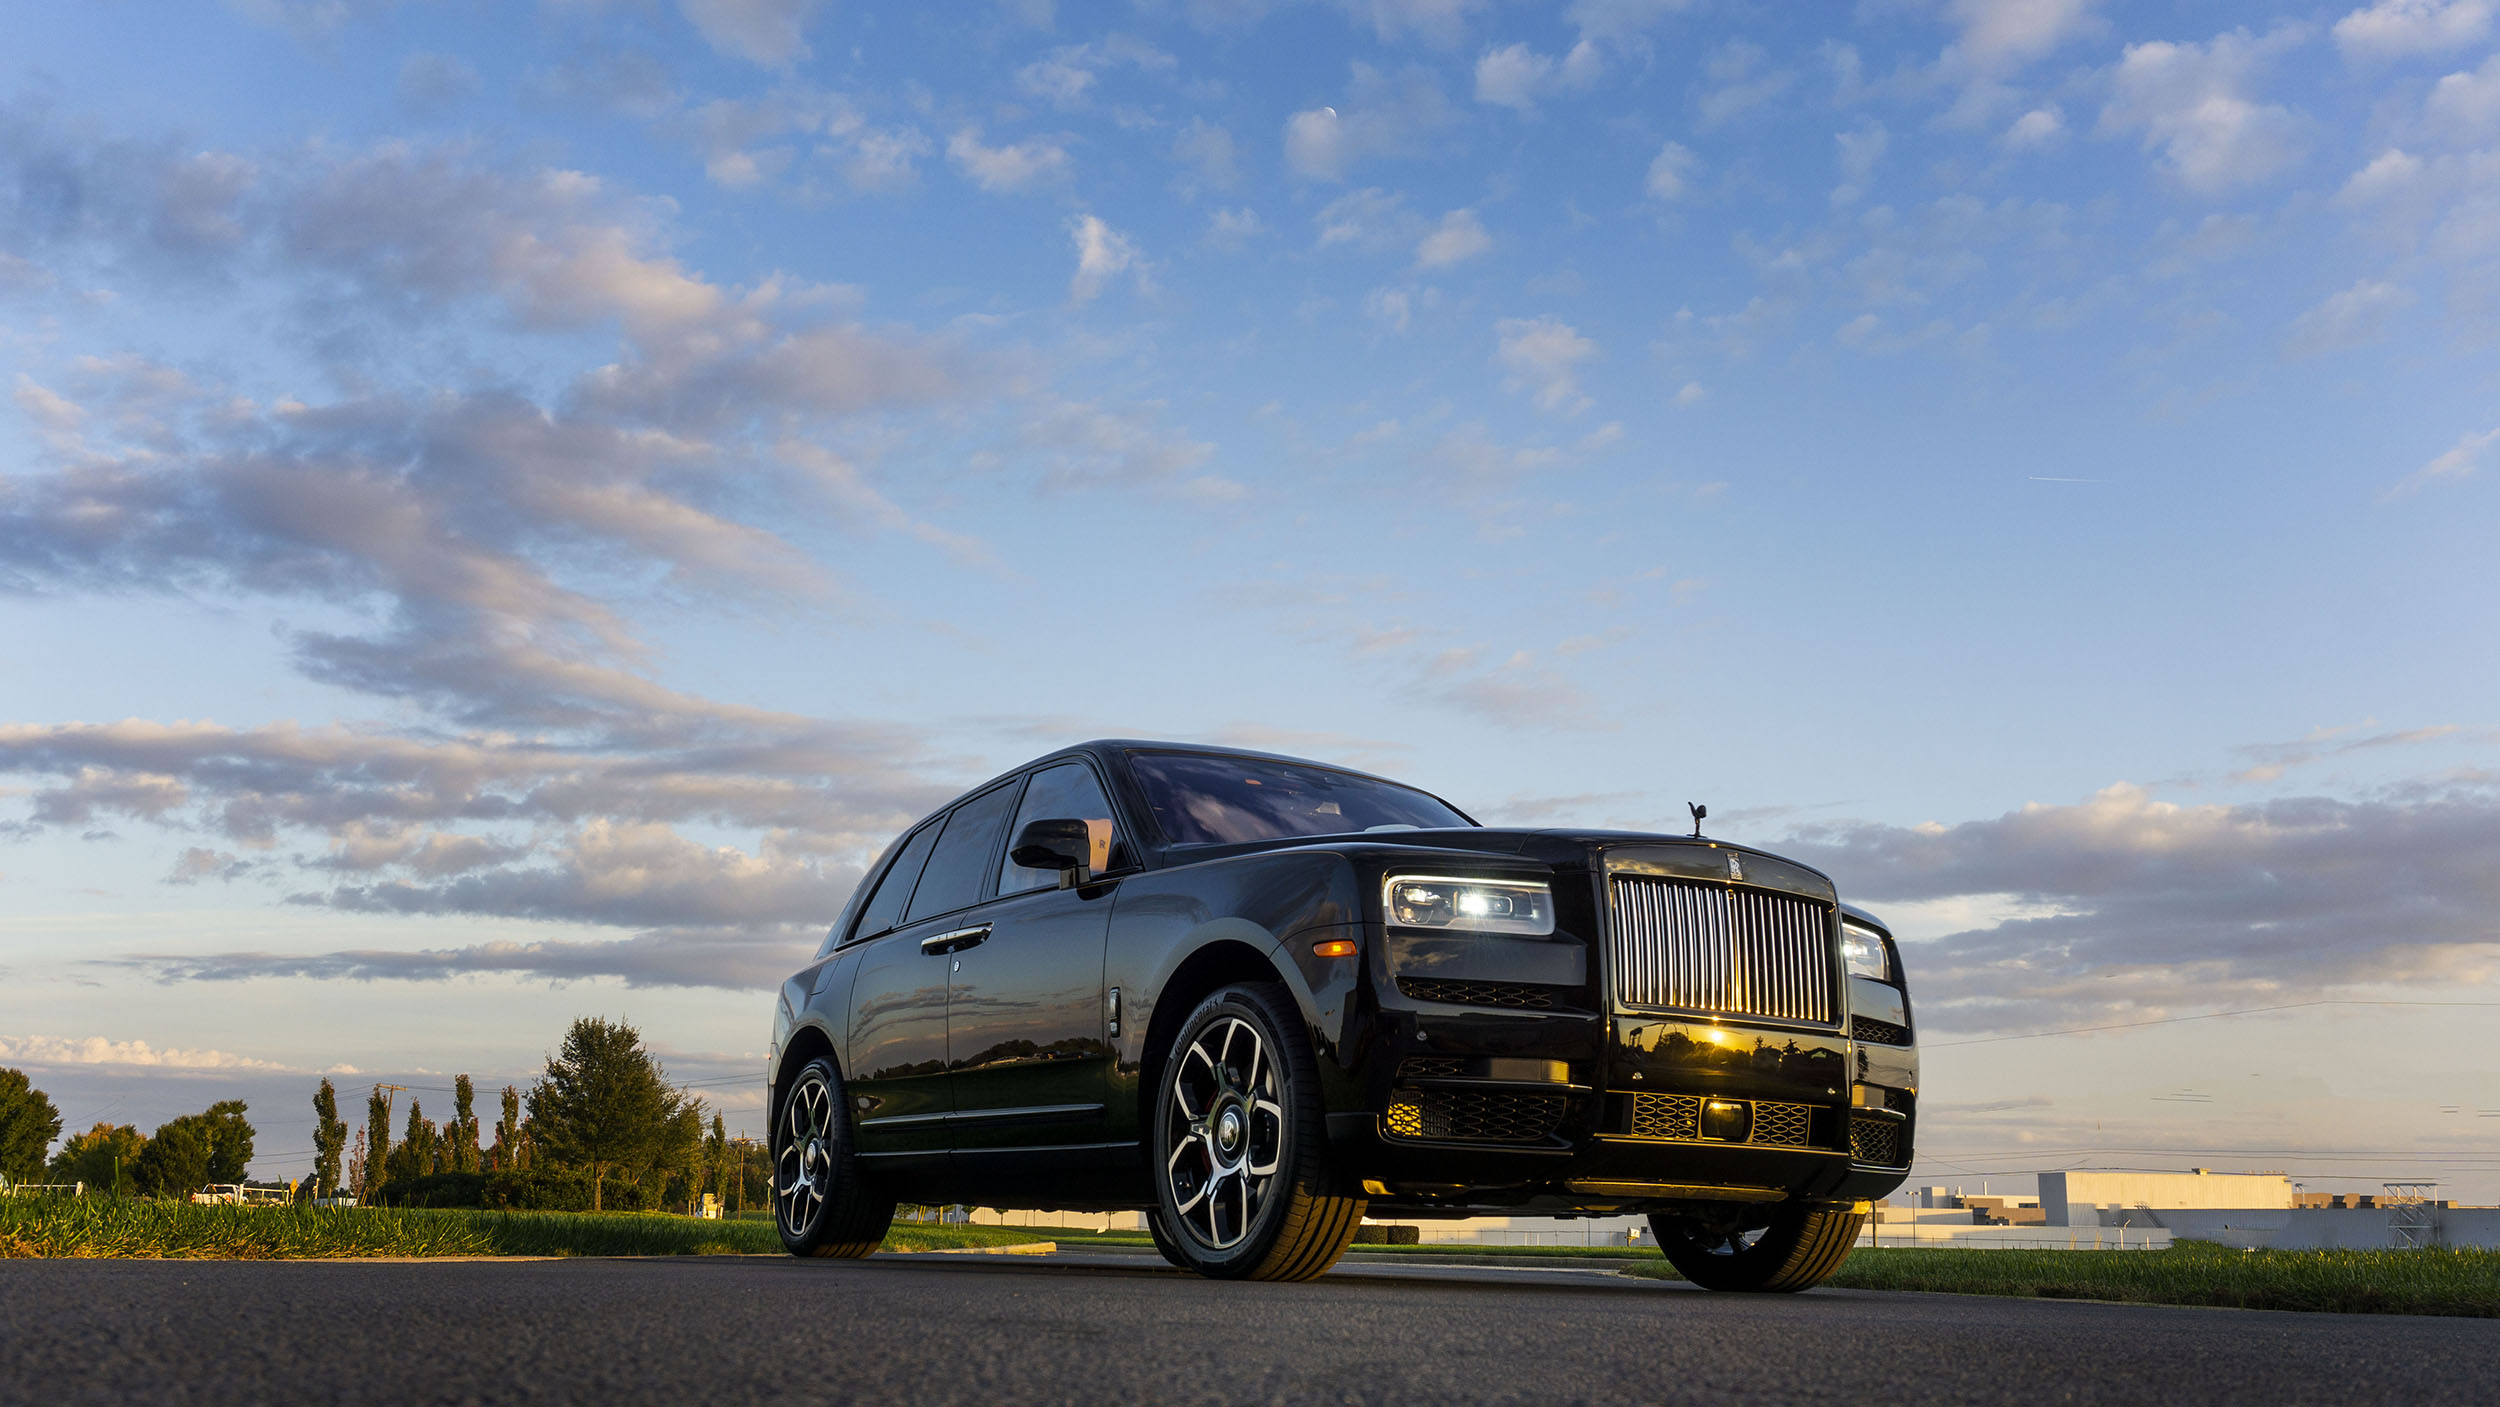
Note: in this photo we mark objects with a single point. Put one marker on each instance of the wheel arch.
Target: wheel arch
(1216, 963)
(807, 1042)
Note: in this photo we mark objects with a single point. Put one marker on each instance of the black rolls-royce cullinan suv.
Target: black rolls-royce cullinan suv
(1255, 996)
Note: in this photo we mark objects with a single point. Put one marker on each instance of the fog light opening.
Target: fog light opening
(1726, 1121)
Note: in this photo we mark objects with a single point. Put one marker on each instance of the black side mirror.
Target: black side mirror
(1063, 845)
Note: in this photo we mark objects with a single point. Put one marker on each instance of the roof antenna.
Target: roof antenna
(1699, 811)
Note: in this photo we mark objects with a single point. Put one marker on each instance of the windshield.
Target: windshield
(1202, 800)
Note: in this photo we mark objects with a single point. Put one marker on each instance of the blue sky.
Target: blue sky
(503, 508)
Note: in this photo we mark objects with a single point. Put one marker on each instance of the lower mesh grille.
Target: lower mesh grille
(1780, 1125)
(1868, 1029)
(1520, 995)
(1666, 1116)
(1475, 1116)
(1776, 1124)
(1432, 1067)
(1900, 1099)
(1876, 1141)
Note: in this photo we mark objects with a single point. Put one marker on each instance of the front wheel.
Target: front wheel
(1241, 1148)
(822, 1204)
(1798, 1250)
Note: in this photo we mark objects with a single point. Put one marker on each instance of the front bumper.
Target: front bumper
(1569, 1110)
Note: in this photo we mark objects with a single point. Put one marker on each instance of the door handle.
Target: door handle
(955, 940)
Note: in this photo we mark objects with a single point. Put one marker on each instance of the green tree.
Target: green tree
(605, 1104)
(460, 1150)
(28, 1124)
(99, 1157)
(377, 1143)
(229, 1137)
(175, 1162)
(507, 1156)
(418, 1146)
(329, 1141)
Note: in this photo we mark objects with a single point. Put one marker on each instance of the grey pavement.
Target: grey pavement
(1116, 1329)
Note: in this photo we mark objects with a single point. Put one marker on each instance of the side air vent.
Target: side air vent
(1521, 996)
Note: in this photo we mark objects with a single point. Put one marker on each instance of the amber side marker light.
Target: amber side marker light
(1333, 948)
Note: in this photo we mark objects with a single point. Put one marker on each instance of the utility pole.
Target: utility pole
(738, 1198)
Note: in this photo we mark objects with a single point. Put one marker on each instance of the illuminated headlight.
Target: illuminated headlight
(1863, 948)
(1517, 908)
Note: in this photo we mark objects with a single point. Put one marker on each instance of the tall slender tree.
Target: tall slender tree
(460, 1150)
(377, 1144)
(329, 1141)
(508, 1134)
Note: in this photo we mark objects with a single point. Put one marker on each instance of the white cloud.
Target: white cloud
(1740, 81)
(1671, 171)
(1458, 238)
(2390, 174)
(1515, 76)
(98, 1050)
(1623, 23)
(1232, 229)
(1543, 356)
(1997, 35)
(1066, 76)
(1207, 150)
(2192, 102)
(1102, 254)
(1382, 116)
(2347, 319)
(1392, 308)
(2462, 460)
(2396, 28)
(2036, 128)
(1014, 167)
(1370, 218)
(1437, 22)
(2467, 105)
(1691, 393)
(766, 32)
(1859, 153)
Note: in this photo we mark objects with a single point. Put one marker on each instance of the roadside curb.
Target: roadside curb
(1021, 1248)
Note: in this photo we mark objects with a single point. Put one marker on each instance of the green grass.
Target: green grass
(2451, 1282)
(97, 1226)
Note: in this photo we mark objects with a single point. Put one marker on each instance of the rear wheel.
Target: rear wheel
(1797, 1250)
(1240, 1145)
(822, 1203)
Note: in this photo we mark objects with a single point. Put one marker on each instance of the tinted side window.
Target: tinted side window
(1067, 792)
(885, 908)
(962, 857)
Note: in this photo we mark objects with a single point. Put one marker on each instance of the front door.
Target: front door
(1028, 1033)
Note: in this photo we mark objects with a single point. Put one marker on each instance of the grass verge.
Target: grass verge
(101, 1227)
(2448, 1282)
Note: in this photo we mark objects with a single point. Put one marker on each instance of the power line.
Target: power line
(2174, 1020)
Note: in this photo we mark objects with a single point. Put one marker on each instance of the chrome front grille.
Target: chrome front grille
(1677, 1117)
(1681, 946)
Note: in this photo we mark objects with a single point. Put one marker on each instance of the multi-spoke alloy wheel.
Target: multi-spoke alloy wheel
(1227, 1132)
(820, 1202)
(1796, 1249)
(1242, 1163)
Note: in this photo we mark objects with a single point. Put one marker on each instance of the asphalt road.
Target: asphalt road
(993, 1330)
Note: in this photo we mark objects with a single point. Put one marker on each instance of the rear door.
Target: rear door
(901, 1097)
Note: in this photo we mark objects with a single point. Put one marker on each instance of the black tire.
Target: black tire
(822, 1204)
(1798, 1251)
(1238, 1091)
